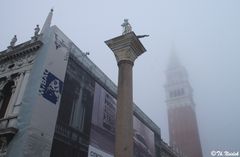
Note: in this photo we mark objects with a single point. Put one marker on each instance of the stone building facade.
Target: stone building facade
(54, 101)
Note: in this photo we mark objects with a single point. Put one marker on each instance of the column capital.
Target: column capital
(126, 47)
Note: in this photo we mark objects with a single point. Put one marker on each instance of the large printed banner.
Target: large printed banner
(51, 84)
(103, 128)
(45, 110)
(40, 104)
(143, 140)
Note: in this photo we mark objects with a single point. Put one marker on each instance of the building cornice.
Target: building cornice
(20, 50)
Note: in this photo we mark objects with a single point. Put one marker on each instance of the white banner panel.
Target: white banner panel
(45, 111)
(94, 152)
(40, 104)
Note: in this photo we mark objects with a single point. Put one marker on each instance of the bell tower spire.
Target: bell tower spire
(182, 120)
(174, 59)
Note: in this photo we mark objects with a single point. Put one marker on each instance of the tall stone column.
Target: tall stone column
(126, 49)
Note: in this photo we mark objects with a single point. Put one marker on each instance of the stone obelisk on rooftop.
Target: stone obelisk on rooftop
(126, 49)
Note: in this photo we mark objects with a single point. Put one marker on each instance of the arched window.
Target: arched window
(5, 96)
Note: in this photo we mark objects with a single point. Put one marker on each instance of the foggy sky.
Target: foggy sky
(206, 35)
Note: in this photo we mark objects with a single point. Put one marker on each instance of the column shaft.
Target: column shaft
(124, 119)
(126, 49)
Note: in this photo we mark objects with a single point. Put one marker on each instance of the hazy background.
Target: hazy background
(206, 35)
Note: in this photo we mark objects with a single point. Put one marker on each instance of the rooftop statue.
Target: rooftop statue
(36, 30)
(13, 41)
(126, 27)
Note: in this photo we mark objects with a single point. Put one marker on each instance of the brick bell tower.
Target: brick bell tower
(182, 121)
